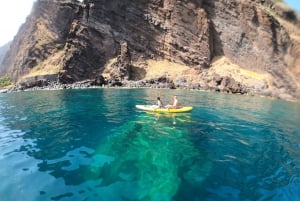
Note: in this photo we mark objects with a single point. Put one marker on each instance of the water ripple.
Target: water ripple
(94, 145)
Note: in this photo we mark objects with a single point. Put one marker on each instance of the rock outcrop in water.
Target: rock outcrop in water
(123, 40)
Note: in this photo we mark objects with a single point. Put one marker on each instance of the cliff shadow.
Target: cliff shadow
(137, 73)
(210, 8)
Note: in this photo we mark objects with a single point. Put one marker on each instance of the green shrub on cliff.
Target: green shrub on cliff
(5, 81)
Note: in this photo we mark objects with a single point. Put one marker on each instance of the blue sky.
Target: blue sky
(12, 15)
(295, 4)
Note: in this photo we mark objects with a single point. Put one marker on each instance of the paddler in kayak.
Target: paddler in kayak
(174, 104)
(160, 103)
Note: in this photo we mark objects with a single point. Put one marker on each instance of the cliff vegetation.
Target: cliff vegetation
(5, 81)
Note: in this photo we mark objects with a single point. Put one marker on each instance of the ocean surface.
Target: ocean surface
(94, 145)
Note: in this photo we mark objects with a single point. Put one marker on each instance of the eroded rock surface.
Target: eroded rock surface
(188, 32)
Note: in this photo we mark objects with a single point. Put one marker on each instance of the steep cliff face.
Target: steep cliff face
(3, 51)
(44, 34)
(171, 30)
(250, 36)
(119, 38)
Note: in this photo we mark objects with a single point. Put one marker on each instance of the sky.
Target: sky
(295, 4)
(13, 14)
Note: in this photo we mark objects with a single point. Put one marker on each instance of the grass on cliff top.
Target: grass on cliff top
(283, 6)
(293, 30)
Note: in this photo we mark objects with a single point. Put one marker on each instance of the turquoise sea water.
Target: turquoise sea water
(94, 145)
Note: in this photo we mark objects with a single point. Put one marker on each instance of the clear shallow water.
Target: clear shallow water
(93, 144)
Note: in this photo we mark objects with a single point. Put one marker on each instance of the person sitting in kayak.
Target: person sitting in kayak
(174, 104)
(160, 103)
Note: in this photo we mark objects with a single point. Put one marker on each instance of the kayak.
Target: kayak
(155, 108)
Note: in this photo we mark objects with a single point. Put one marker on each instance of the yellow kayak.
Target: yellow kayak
(155, 108)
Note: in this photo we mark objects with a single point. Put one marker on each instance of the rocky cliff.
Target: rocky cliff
(3, 51)
(226, 45)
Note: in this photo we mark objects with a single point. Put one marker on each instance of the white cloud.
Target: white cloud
(12, 15)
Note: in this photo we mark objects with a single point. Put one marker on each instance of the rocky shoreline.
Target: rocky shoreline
(221, 84)
(45, 82)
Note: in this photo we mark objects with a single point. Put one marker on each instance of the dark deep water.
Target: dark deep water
(92, 144)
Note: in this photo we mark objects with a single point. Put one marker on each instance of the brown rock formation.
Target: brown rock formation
(186, 32)
(252, 38)
(121, 69)
(43, 34)
(155, 29)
